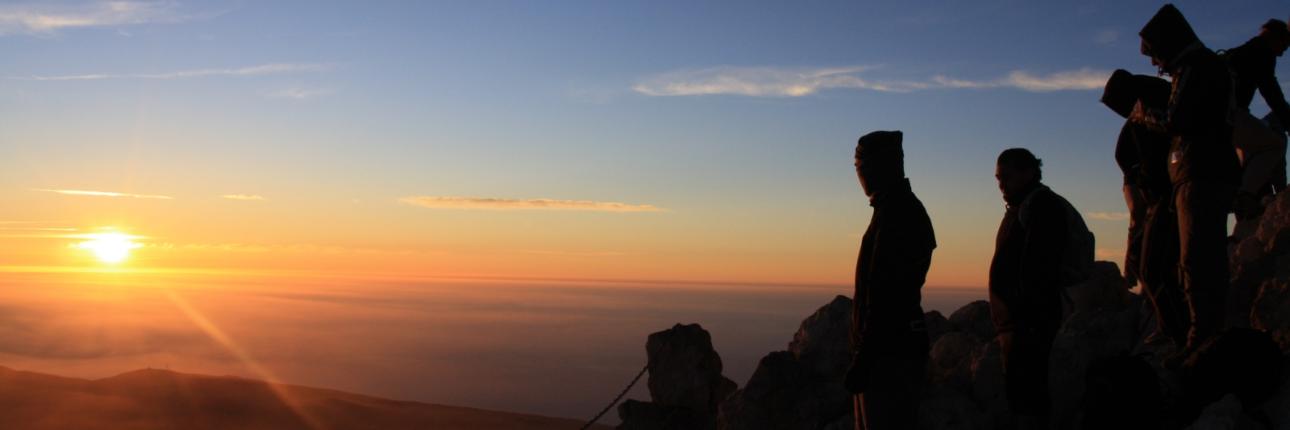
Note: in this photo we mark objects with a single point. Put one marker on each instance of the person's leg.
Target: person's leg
(1202, 233)
(891, 400)
(1137, 214)
(1026, 378)
(1159, 271)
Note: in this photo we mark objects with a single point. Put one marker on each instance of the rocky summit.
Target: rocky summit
(1105, 371)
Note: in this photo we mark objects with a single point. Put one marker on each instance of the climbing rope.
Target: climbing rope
(616, 399)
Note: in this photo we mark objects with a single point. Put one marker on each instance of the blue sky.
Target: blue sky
(738, 118)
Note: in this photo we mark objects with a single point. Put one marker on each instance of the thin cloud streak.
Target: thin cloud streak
(257, 70)
(103, 194)
(486, 203)
(43, 19)
(244, 197)
(1108, 216)
(781, 82)
(299, 93)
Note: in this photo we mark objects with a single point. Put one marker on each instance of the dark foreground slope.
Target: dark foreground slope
(162, 399)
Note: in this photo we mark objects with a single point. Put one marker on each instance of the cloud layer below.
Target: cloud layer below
(784, 82)
(486, 203)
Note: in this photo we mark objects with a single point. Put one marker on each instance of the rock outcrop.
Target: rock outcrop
(685, 382)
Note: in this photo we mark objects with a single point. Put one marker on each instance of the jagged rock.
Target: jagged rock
(1271, 312)
(974, 318)
(638, 415)
(937, 325)
(1257, 257)
(989, 389)
(1083, 338)
(684, 370)
(685, 382)
(946, 409)
(1225, 414)
(784, 393)
(823, 341)
(1105, 287)
(1241, 361)
(1277, 408)
(950, 363)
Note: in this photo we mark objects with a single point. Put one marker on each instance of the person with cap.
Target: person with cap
(1261, 147)
(888, 333)
(1203, 167)
(1043, 246)
(1152, 252)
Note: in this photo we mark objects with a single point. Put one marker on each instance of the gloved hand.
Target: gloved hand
(857, 378)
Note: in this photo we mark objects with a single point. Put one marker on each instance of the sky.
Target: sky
(705, 142)
(624, 140)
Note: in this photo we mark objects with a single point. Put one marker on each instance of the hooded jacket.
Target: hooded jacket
(895, 253)
(1199, 103)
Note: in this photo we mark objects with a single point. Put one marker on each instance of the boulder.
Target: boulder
(823, 341)
(1258, 255)
(684, 370)
(950, 363)
(1225, 414)
(974, 318)
(1271, 312)
(1104, 288)
(1084, 338)
(937, 325)
(989, 389)
(784, 393)
(946, 409)
(685, 382)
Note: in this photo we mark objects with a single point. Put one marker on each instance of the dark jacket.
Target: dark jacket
(1143, 156)
(1196, 117)
(1042, 247)
(1254, 67)
(895, 254)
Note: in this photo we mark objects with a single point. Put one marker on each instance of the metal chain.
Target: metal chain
(616, 399)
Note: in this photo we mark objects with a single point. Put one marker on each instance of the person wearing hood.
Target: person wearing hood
(1043, 246)
(1142, 154)
(889, 336)
(1261, 146)
(1203, 167)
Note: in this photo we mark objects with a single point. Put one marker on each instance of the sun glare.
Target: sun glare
(111, 248)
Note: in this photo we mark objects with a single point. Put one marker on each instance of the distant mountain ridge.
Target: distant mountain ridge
(163, 399)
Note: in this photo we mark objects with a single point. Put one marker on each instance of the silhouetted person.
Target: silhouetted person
(1152, 256)
(1261, 148)
(1043, 247)
(888, 332)
(1202, 163)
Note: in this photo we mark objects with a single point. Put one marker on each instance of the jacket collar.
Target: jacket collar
(900, 188)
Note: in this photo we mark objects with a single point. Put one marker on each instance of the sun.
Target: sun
(110, 247)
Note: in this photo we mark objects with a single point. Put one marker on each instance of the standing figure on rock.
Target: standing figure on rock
(1143, 156)
(1202, 163)
(888, 333)
(1262, 148)
(1043, 247)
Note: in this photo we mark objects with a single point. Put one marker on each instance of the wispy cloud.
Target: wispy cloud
(44, 18)
(257, 70)
(297, 93)
(245, 197)
(782, 82)
(102, 194)
(1108, 216)
(1106, 36)
(450, 202)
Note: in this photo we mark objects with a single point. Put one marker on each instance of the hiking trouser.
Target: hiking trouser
(1137, 206)
(891, 398)
(1202, 208)
(1159, 271)
(1262, 151)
